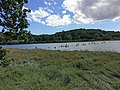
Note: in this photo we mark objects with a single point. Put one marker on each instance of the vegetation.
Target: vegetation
(64, 36)
(60, 70)
(53, 70)
(13, 20)
(79, 35)
(2, 53)
(13, 38)
(13, 15)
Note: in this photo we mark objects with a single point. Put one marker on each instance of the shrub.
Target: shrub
(3, 62)
(2, 53)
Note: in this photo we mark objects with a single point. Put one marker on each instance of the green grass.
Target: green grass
(60, 70)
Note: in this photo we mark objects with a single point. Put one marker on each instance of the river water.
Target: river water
(112, 46)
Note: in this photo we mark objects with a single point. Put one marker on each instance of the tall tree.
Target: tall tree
(13, 15)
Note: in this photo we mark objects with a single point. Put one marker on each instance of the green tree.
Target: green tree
(23, 35)
(68, 37)
(13, 15)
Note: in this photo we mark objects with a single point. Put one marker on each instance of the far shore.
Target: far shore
(54, 42)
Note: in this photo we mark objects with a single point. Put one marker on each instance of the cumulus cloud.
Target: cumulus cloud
(37, 15)
(56, 20)
(83, 11)
(43, 17)
(86, 11)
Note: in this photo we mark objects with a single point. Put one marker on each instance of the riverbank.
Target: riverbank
(60, 70)
(56, 42)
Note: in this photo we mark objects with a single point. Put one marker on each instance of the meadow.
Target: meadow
(59, 70)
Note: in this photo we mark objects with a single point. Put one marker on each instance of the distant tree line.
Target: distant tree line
(14, 38)
(76, 35)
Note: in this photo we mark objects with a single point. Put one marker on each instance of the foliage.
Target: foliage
(13, 15)
(2, 53)
(66, 36)
(5, 63)
(13, 19)
(1, 37)
(60, 70)
(79, 35)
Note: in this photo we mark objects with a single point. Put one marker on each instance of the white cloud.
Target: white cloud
(63, 12)
(116, 19)
(83, 11)
(37, 15)
(49, 10)
(70, 5)
(56, 20)
(86, 11)
(47, 3)
(29, 19)
(42, 16)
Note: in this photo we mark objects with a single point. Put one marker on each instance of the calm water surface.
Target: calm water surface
(113, 46)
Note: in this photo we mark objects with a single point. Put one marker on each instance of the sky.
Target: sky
(51, 16)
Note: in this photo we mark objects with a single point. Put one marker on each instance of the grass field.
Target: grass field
(60, 70)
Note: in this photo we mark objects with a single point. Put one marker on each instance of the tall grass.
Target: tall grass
(60, 70)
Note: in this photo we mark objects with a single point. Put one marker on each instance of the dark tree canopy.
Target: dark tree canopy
(13, 15)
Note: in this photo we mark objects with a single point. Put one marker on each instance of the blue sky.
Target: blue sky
(50, 16)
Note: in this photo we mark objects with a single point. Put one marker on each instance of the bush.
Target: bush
(5, 63)
(2, 53)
